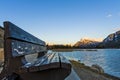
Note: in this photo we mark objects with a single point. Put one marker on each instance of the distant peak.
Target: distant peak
(92, 39)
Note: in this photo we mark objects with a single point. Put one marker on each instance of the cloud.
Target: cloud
(109, 15)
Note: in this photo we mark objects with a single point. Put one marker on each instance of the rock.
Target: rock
(97, 68)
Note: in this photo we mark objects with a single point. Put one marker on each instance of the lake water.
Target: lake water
(108, 59)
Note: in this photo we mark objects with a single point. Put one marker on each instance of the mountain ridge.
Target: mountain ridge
(111, 41)
(87, 43)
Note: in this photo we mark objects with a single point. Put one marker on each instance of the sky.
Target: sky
(63, 21)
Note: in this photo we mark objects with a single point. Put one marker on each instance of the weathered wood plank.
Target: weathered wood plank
(43, 59)
(64, 62)
(42, 63)
(20, 34)
(35, 66)
(49, 61)
(23, 48)
(63, 59)
(55, 58)
(55, 62)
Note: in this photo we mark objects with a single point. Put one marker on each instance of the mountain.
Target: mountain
(112, 40)
(87, 43)
(1, 37)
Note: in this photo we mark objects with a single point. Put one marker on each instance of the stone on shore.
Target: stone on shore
(97, 68)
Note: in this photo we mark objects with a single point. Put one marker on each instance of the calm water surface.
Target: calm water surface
(108, 59)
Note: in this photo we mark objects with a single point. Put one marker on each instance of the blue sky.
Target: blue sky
(63, 21)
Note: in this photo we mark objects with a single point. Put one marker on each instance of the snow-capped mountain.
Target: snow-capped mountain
(87, 43)
(112, 40)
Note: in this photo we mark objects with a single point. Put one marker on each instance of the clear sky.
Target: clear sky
(63, 21)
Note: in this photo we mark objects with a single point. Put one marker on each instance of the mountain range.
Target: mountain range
(87, 43)
(111, 41)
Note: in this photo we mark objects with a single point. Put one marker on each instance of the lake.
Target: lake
(108, 59)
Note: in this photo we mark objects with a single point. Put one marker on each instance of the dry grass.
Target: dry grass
(86, 73)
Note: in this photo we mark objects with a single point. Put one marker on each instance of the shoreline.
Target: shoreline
(87, 73)
(70, 50)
